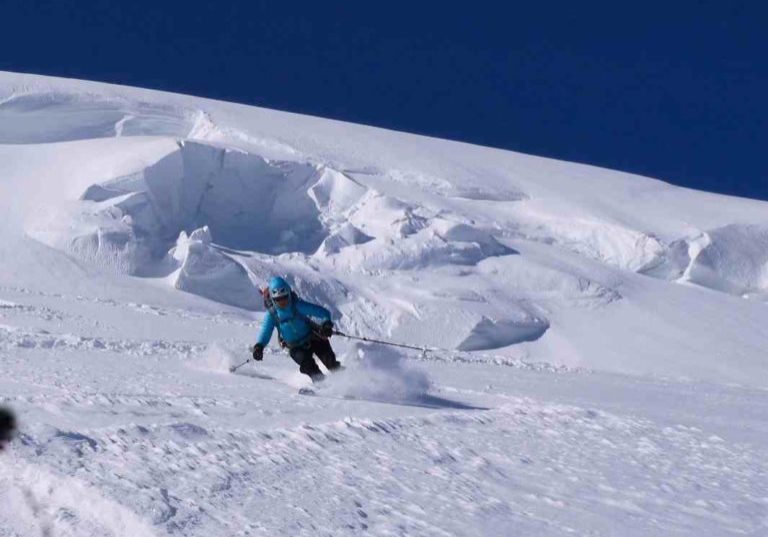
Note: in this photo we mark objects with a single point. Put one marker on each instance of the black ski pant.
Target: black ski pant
(321, 347)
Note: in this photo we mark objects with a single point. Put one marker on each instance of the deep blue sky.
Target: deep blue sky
(675, 90)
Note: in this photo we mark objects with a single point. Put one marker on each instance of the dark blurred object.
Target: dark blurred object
(7, 426)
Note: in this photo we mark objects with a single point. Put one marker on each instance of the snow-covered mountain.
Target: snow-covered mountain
(597, 359)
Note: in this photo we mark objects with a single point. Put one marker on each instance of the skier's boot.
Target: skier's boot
(335, 367)
(317, 378)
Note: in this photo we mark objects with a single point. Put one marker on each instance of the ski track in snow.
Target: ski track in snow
(525, 466)
(14, 338)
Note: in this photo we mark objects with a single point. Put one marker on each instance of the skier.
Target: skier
(297, 329)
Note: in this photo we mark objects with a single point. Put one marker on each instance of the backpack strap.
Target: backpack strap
(270, 307)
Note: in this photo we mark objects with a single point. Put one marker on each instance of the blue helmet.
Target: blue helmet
(279, 288)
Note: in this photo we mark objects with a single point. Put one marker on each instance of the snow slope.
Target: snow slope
(597, 339)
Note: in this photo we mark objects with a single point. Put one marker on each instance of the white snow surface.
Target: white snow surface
(595, 341)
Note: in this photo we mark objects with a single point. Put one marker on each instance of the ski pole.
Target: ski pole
(370, 340)
(234, 368)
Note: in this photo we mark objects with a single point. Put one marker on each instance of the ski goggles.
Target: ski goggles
(279, 295)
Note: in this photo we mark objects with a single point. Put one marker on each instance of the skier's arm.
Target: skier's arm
(267, 326)
(307, 309)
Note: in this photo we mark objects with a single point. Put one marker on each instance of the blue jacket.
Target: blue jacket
(295, 324)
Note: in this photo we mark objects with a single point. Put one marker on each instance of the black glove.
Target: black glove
(258, 352)
(326, 329)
